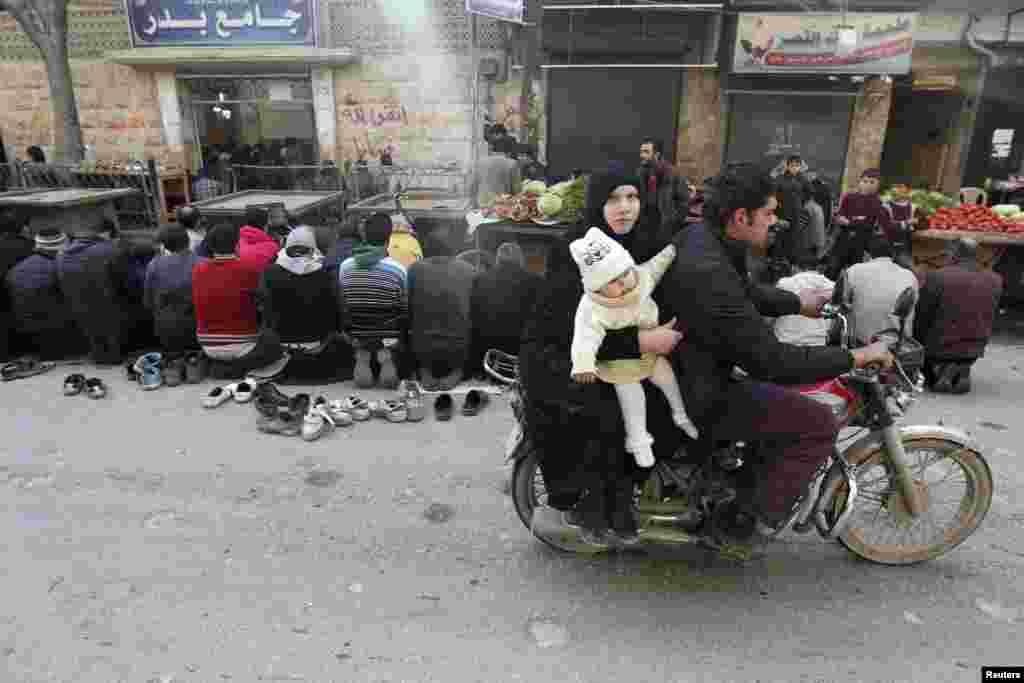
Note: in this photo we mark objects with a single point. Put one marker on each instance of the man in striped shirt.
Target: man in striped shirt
(375, 302)
(227, 319)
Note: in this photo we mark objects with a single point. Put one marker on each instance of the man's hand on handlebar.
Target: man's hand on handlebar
(660, 340)
(874, 354)
(812, 300)
(585, 378)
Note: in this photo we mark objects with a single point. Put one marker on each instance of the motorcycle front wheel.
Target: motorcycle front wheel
(955, 482)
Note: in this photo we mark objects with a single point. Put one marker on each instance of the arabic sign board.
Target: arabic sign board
(221, 23)
(506, 10)
(1002, 143)
(809, 43)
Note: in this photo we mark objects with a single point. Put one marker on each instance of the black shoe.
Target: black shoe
(962, 383)
(297, 407)
(622, 518)
(269, 400)
(945, 376)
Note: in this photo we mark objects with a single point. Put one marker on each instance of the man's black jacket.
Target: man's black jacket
(709, 290)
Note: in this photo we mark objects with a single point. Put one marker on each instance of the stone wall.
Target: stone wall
(419, 106)
(867, 130)
(699, 142)
(117, 106)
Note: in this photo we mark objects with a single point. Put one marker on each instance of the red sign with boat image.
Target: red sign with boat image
(824, 43)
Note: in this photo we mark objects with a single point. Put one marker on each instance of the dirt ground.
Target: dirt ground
(148, 539)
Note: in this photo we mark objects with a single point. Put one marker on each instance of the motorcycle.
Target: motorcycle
(894, 495)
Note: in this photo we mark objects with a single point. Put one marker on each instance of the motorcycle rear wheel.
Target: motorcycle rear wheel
(880, 530)
(527, 485)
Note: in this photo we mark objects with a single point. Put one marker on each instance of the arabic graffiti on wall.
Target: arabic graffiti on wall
(374, 116)
(222, 23)
(809, 43)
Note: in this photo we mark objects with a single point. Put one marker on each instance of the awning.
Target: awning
(167, 56)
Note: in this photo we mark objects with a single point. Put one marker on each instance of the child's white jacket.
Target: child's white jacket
(596, 314)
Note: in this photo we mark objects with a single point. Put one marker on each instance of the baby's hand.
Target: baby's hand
(585, 377)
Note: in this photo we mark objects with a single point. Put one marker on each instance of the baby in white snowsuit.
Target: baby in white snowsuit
(618, 295)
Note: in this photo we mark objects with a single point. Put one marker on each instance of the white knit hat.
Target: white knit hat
(600, 258)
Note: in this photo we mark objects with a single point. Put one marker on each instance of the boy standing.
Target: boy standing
(861, 214)
(901, 215)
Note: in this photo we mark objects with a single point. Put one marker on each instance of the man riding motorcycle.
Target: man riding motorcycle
(709, 291)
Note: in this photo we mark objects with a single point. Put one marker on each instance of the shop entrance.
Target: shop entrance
(257, 120)
(600, 115)
(922, 135)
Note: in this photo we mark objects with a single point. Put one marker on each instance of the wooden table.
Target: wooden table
(930, 246)
(67, 209)
(489, 235)
(231, 207)
(996, 251)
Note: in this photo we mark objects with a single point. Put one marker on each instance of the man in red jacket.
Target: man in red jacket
(256, 247)
(954, 318)
(227, 320)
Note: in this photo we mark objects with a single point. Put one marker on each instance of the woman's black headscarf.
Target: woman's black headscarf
(599, 186)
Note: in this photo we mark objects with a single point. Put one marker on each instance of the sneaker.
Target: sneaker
(388, 372)
(475, 402)
(338, 413)
(152, 377)
(74, 385)
(131, 373)
(95, 388)
(412, 395)
(175, 373)
(218, 396)
(244, 392)
(317, 422)
(284, 423)
(358, 408)
(392, 411)
(298, 406)
(195, 368)
(268, 399)
(155, 359)
(363, 373)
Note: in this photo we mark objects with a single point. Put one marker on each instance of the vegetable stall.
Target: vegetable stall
(536, 218)
(998, 230)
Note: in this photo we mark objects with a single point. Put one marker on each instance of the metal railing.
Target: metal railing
(288, 178)
(367, 181)
(140, 211)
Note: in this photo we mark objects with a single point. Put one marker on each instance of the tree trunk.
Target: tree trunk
(67, 128)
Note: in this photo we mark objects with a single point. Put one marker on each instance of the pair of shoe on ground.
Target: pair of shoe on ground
(77, 384)
(408, 407)
(444, 405)
(153, 370)
(20, 369)
(298, 415)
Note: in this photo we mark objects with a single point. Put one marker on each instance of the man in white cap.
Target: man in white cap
(41, 315)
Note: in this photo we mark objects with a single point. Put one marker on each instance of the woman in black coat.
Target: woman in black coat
(578, 428)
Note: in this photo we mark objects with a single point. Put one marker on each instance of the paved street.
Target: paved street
(148, 539)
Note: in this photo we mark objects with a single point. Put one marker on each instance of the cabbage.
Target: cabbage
(1006, 210)
(549, 204)
(535, 187)
(560, 188)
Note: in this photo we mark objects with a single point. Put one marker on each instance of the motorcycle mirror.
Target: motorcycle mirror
(905, 303)
(903, 308)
